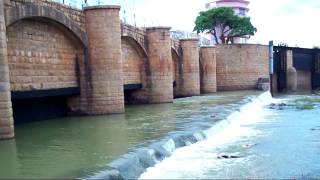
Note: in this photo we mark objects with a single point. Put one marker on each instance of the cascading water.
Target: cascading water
(159, 157)
(224, 132)
(266, 139)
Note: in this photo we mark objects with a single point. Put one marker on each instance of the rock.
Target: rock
(277, 106)
(282, 104)
(315, 129)
(228, 156)
(249, 145)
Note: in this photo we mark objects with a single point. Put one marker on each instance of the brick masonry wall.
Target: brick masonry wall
(189, 72)
(6, 119)
(239, 66)
(133, 62)
(159, 76)
(41, 56)
(103, 30)
(208, 73)
(76, 15)
(136, 33)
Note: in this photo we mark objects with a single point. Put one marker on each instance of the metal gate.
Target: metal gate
(280, 64)
(303, 60)
(316, 72)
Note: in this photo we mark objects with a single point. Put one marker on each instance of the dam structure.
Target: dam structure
(56, 60)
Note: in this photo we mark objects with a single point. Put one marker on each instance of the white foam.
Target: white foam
(169, 146)
(191, 161)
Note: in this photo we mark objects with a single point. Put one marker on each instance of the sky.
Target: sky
(294, 22)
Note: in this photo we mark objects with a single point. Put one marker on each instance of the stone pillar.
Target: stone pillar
(6, 119)
(291, 73)
(104, 37)
(159, 72)
(190, 81)
(208, 75)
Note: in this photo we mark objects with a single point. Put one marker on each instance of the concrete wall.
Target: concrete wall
(239, 66)
(303, 80)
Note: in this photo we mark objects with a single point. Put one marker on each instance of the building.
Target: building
(240, 8)
(180, 34)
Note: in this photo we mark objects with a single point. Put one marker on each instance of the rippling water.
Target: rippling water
(80, 146)
(277, 141)
(268, 142)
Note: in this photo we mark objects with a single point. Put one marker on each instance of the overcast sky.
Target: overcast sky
(294, 22)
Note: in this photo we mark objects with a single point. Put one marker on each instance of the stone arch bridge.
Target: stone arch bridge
(88, 62)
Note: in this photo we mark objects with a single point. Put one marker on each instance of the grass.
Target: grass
(305, 107)
(308, 100)
(307, 103)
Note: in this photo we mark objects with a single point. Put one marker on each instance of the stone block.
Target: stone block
(103, 28)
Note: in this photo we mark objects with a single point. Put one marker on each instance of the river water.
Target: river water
(277, 141)
(76, 147)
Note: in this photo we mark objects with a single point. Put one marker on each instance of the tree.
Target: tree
(223, 24)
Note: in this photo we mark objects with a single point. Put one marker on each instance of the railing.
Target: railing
(73, 3)
(128, 16)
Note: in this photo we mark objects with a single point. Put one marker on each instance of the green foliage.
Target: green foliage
(309, 100)
(226, 21)
(306, 103)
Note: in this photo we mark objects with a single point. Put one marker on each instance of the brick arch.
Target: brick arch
(41, 56)
(136, 44)
(31, 11)
(176, 62)
(134, 58)
(175, 52)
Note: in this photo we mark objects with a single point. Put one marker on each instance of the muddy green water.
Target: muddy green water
(74, 147)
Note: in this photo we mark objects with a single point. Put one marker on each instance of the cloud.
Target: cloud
(294, 27)
(179, 14)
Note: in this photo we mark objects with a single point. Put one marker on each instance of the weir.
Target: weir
(57, 61)
(132, 165)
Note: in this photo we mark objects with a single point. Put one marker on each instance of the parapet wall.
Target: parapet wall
(76, 15)
(240, 65)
